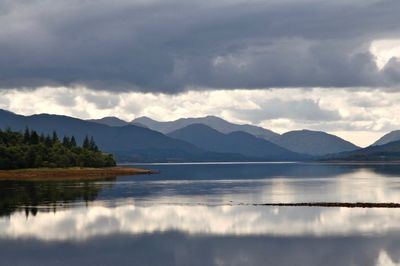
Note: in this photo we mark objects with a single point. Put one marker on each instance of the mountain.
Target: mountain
(313, 142)
(386, 152)
(214, 122)
(302, 141)
(389, 137)
(126, 143)
(111, 121)
(240, 142)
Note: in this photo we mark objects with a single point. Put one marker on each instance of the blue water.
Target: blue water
(205, 214)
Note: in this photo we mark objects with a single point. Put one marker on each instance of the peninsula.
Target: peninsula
(71, 173)
(30, 156)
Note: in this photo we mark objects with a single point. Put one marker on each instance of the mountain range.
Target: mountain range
(196, 139)
(239, 142)
(313, 142)
(214, 122)
(308, 142)
(131, 142)
(302, 141)
(127, 143)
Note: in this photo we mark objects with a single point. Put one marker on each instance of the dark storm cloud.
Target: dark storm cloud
(169, 46)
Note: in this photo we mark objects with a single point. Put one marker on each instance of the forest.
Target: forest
(32, 150)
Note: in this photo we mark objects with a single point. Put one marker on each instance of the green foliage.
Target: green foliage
(29, 150)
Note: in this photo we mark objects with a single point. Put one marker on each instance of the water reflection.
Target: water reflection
(262, 171)
(83, 223)
(192, 215)
(32, 195)
(357, 184)
(214, 185)
(174, 248)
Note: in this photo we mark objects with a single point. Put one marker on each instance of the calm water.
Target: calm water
(204, 215)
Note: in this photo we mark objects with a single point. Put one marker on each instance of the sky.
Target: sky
(281, 64)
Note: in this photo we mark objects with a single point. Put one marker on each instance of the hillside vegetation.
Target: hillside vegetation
(31, 150)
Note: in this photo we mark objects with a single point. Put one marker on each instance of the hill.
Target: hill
(111, 121)
(243, 143)
(389, 137)
(387, 152)
(214, 122)
(313, 142)
(126, 143)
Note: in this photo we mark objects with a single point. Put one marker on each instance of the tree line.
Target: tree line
(32, 150)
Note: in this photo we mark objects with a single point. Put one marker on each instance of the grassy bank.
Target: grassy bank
(73, 173)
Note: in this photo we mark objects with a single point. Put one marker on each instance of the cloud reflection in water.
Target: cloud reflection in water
(82, 223)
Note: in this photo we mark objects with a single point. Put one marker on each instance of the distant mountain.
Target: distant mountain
(240, 142)
(313, 142)
(387, 152)
(111, 121)
(127, 143)
(389, 137)
(214, 122)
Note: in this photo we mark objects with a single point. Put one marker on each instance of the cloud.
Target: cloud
(102, 100)
(195, 220)
(176, 45)
(360, 116)
(302, 110)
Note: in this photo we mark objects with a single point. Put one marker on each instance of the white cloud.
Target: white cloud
(86, 222)
(384, 50)
(385, 260)
(360, 116)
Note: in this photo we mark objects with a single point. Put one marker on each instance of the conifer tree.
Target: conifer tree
(66, 142)
(46, 151)
(55, 137)
(47, 141)
(92, 145)
(27, 135)
(86, 143)
(34, 139)
(73, 142)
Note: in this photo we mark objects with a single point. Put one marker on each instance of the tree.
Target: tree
(45, 151)
(92, 145)
(66, 142)
(73, 142)
(86, 143)
(48, 142)
(55, 137)
(27, 135)
(34, 139)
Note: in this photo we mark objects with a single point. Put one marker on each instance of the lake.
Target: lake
(205, 214)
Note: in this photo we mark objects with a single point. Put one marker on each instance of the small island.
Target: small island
(30, 156)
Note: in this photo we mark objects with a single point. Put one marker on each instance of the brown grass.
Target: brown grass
(74, 173)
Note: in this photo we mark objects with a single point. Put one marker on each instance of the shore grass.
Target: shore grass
(73, 173)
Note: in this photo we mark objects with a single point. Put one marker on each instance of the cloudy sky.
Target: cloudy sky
(282, 64)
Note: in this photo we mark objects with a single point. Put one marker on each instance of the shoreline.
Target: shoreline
(264, 162)
(73, 173)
